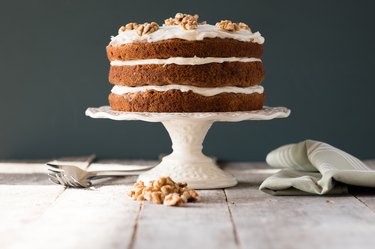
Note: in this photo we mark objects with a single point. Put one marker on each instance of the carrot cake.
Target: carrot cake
(186, 66)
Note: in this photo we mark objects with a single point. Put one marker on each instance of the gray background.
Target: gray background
(319, 58)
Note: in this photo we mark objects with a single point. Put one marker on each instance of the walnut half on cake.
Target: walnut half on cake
(186, 66)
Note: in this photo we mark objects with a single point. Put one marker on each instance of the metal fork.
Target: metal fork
(72, 176)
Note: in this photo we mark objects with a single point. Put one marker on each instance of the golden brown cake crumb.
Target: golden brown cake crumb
(177, 101)
(209, 47)
(241, 74)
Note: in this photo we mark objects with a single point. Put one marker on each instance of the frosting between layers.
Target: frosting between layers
(176, 32)
(183, 61)
(205, 91)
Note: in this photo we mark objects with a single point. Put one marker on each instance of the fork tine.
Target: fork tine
(53, 165)
(57, 179)
(68, 182)
(58, 166)
(61, 179)
(76, 182)
(54, 177)
(54, 180)
(55, 171)
(72, 179)
(71, 182)
(54, 168)
(67, 179)
(50, 173)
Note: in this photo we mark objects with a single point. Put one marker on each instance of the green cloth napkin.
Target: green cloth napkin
(313, 167)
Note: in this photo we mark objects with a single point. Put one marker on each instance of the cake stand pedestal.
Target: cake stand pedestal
(187, 163)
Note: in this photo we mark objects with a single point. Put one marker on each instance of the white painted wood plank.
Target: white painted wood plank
(308, 222)
(24, 179)
(265, 221)
(253, 174)
(367, 200)
(22, 168)
(205, 224)
(21, 206)
(83, 218)
(366, 196)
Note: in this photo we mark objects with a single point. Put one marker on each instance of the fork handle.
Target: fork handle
(114, 173)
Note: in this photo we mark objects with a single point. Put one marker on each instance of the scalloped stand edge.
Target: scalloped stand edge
(187, 131)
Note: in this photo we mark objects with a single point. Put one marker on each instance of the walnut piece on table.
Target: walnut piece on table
(164, 191)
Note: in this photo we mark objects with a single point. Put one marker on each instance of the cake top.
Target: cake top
(185, 27)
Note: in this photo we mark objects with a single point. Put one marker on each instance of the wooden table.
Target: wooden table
(37, 214)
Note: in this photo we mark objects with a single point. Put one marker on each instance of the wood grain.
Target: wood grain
(366, 195)
(36, 214)
(83, 218)
(205, 224)
(264, 221)
(21, 206)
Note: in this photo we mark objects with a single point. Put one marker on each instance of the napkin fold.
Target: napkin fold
(313, 167)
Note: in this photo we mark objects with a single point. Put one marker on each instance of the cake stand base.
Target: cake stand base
(187, 163)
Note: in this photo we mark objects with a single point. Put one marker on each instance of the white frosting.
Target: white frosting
(205, 91)
(176, 32)
(183, 61)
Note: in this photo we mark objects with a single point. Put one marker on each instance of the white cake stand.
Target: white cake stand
(187, 163)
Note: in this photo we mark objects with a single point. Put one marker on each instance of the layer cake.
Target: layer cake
(186, 66)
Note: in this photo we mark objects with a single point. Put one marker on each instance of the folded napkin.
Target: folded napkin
(313, 167)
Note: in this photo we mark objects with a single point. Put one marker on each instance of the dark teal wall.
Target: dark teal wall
(319, 58)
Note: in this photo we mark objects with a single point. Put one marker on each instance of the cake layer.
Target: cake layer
(177, 101)
(210, 47)
(241, 74)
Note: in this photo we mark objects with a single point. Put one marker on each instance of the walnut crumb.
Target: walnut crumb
(186, 21)
(174, 200)
(189, 23)
(169, 22)
(164, 191)
(231, 26)
(227, 25)
(244, 26)
(129, 26)
(147, 28)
